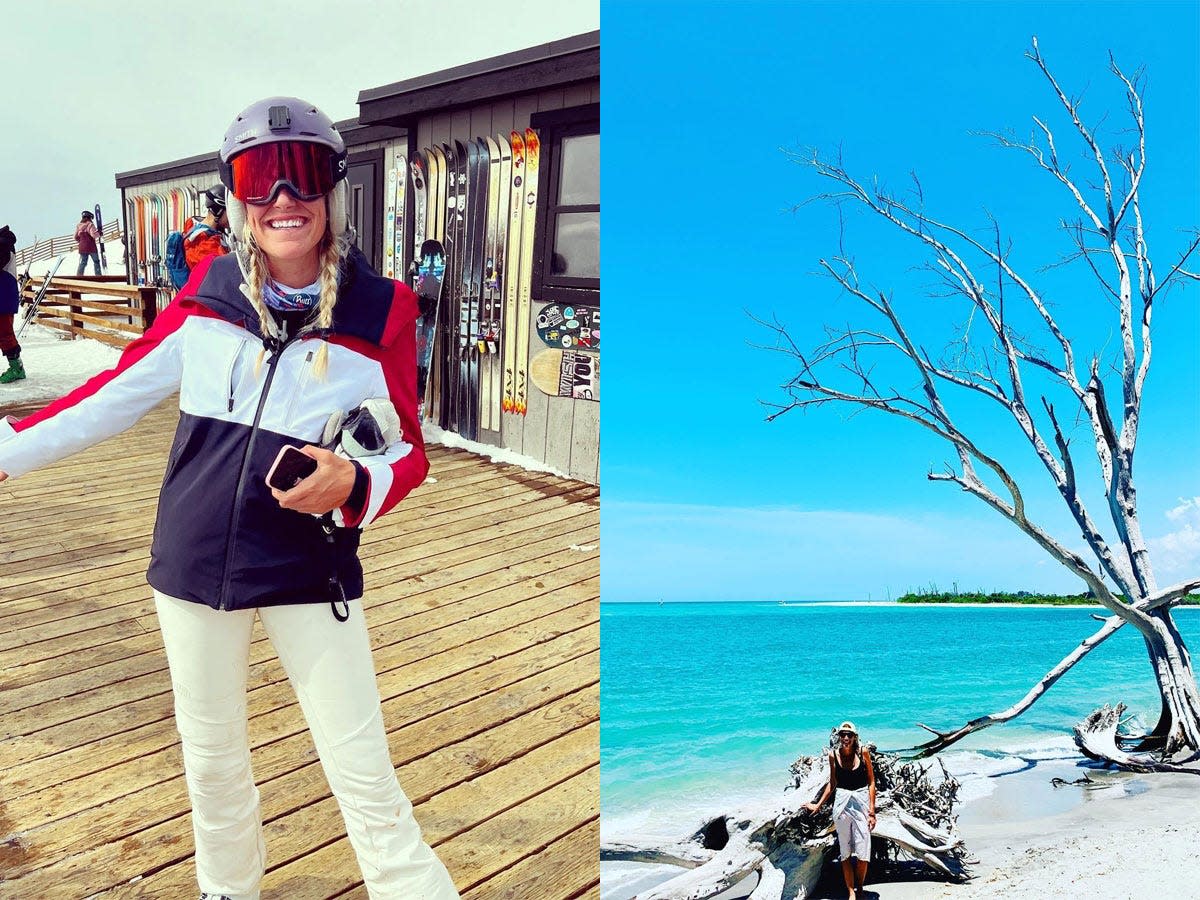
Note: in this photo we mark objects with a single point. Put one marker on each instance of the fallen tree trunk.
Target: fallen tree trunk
(788, 846)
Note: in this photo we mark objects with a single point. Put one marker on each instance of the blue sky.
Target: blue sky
(702, 102)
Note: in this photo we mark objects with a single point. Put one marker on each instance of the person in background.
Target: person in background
(207, 237)
(264, 347)
(86, 236)
(10, 301)
(852, 784)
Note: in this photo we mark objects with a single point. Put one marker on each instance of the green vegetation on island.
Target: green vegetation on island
(1022, 597)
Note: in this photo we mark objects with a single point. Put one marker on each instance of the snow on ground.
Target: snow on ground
(54, 364)
(435, 435)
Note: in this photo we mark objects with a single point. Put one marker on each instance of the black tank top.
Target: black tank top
(850, 779)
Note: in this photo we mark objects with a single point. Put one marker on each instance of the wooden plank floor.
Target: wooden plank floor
(483, 604)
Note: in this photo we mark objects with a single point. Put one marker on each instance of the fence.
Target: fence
(57, 246)
(102, 307)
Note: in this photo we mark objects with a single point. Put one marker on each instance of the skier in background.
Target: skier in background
(86, 237)
(207, 237)
(229, 548)
(10, 300)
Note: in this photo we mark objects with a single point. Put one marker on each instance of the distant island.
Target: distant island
(1025, 597)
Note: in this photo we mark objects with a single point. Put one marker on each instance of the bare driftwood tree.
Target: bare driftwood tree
(1007, 371)
(788, 846)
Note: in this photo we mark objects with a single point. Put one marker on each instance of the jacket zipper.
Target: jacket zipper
(232, 372)
(235, 513)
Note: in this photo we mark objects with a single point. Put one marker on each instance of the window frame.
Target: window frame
(552, 126)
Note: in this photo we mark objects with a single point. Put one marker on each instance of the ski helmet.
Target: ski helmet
(277, 119)
(215, 199)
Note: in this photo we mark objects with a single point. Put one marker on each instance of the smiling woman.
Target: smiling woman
(336, 339)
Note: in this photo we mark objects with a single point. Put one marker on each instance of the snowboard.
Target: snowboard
(566, 373)
(427, 283)
(569, 326)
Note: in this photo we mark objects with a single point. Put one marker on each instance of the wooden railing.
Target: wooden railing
(57, 246)
(101, 307)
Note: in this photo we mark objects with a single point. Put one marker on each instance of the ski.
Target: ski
(528, 221)
(502, 172)
(456, 195)
(401, 200)
(488, 296)
(509, 400)
(390, 262)
(435, 227)
(31, 313)
(477, 212)
(419, 169)
(100, 241)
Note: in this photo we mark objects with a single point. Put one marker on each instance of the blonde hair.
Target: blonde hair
(331, 250)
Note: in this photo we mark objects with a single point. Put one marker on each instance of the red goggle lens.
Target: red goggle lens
(306, 169)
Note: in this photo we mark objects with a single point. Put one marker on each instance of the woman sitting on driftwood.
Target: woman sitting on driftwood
(852, 784)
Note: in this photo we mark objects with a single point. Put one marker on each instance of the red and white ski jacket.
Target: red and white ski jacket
(220, 538)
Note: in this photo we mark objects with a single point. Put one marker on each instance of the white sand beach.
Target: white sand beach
(1128, 837)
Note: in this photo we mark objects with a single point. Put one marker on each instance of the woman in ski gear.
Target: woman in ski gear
(10, 302)
(262, 346)
(86, 237)
(852, 784)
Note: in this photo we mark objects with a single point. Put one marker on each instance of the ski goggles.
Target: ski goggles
(309, 171)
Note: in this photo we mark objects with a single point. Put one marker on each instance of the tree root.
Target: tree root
(788, 846)
(1099, 737)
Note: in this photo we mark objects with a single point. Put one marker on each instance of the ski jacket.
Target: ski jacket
(200, 242)
(10, 294)
(220, 538)
(86, 236)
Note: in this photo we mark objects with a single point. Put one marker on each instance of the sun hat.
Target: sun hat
(848, 726)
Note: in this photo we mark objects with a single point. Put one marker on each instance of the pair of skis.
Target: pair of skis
(30, 312)
(475, 207)
(526, 151)
(100, 241)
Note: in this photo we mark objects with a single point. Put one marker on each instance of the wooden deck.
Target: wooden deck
(483, 603)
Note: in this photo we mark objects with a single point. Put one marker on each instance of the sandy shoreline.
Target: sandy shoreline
(1125, 837)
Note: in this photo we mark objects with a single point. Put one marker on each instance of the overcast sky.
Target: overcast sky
(95, 89)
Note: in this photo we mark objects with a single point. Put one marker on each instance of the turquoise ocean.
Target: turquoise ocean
(704, 705)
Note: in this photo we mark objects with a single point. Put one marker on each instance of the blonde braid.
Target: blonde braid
(256, 274)
(331, 258)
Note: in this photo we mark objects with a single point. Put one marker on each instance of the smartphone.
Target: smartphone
(290, 468)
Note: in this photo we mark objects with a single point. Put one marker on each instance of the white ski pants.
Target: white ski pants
(330, 668)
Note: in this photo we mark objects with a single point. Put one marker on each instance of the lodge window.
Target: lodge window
(567, 263)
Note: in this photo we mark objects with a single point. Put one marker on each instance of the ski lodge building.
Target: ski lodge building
(552, 89)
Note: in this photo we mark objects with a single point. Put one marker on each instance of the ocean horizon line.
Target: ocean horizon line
(891, 604)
